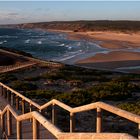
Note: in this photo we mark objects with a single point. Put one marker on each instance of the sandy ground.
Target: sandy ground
(112, 56)
(114, 61)
(110, 40)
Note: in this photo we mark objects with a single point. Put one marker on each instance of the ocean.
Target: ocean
(48, 45)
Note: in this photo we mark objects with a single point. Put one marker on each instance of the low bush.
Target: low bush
(23, 86)
(5, 78)
(133, 107)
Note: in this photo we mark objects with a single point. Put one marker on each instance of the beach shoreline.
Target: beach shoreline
(122, 46)
(107, 39)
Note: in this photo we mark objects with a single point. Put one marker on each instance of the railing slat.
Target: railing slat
(19, 130)
(35, 129)
(98, 121)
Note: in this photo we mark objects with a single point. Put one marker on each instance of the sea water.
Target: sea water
(48, 45)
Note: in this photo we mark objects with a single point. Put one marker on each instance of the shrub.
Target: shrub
(75, 98)
(38, 94)
(32, 78)
(5, 78)
(23, 86)
(133, 107)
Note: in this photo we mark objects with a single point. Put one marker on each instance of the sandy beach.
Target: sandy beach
(121, 45)
(107, 39)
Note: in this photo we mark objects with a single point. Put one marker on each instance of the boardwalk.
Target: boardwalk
(17, 123)
(26, 126)
(4, 69)
(31, 62)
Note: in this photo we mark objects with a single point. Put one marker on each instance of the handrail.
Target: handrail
(21, 96)
(33, 59)
(34, 114)
(98, 105)
(110, 108)
(51, 128)
(54, 130)
(85, 107)
(62, 105)
(122, 113)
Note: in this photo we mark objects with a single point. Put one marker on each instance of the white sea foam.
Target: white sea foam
(79, 52)
(62, 44)
(70, 48)
(39, 42)
(27, 41)
(3, 42)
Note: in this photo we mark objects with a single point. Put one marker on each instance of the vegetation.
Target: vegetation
(5, 78)
(133, 107)
(23, 86)
(39, 94)
(98, 25)
(74, 86)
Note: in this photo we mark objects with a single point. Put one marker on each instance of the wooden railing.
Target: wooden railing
(37, 119)
(35, 116)
(4, 69)
(35, 60)
(15, 98)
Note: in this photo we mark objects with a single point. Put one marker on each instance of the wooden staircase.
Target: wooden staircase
(20, 117)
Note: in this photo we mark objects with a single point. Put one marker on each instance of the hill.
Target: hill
(99, 25)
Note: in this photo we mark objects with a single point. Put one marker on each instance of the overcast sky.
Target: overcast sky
(23, 12)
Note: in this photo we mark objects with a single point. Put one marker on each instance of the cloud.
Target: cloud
(13, 14)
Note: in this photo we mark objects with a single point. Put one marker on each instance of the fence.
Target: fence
(15, 98)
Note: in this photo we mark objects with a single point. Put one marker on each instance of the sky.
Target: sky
(12, 12)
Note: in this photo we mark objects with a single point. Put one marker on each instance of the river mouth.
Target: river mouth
(48, 45)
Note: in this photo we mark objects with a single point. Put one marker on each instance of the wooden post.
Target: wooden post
(8, 96)
(98, 121)
(23, 106)
(138, 131)
(2, 123)
(53, 114)
(1, 90)
(72, 122)
(19, 134)
(30, 108)
(17, 103)
(12, 99)
(9, 123)
(5, 92)
(35, 129)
